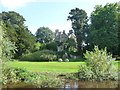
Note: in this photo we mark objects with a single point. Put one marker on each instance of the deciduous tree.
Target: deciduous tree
(103, 30)
(79, 20)
(17, 32)
(44, 35)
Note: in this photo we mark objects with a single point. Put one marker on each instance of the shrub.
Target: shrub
(52, 46)
(42, 81)
(8, 75)
(66, 60)
(71, 76)
(60, 54)
(44, 55)
(85, 73)
(99, 65)
(60, 60)
(7, 49)
(14, 75)
(39, 46)
(24, 75)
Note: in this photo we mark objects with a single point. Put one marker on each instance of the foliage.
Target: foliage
(14, 75)
(51, 46)
(79, 21)
(43, 55)
(103, 28)
(99, 66)
(9, 76)
(71, 43)
(44, 35)
(39, 46)
(1, 35)
(118, 27)
(23, 75)
(17, 32)
(71, 76)
(85, 73)
(60, 54)
(42, 81)
(7, 50)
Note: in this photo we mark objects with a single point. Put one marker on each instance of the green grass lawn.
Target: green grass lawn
(60, 67)
(48, 66)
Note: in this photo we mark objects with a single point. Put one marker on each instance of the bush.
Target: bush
(7, 49)
(42, 81)
(8, 75)
(66, 60)
(52, 46)
(60, 54)
(39, 46)
(24, 75)
(60, 60)
(12, 75)
(99, 66)
(71, 76)
(44, 55)
(85, 73)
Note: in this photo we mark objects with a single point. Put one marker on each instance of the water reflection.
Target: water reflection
(90, 84)
(68, 85)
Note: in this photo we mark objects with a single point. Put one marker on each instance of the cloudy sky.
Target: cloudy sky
(49, 13)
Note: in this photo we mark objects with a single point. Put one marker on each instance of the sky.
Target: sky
(49, 13)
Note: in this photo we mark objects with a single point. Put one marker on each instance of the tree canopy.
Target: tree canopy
(118, 21)
(79, 20)
(103, 28)
(17, 32)
(44, 35)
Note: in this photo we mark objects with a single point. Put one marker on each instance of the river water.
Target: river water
(69, 84)
(90, 84)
